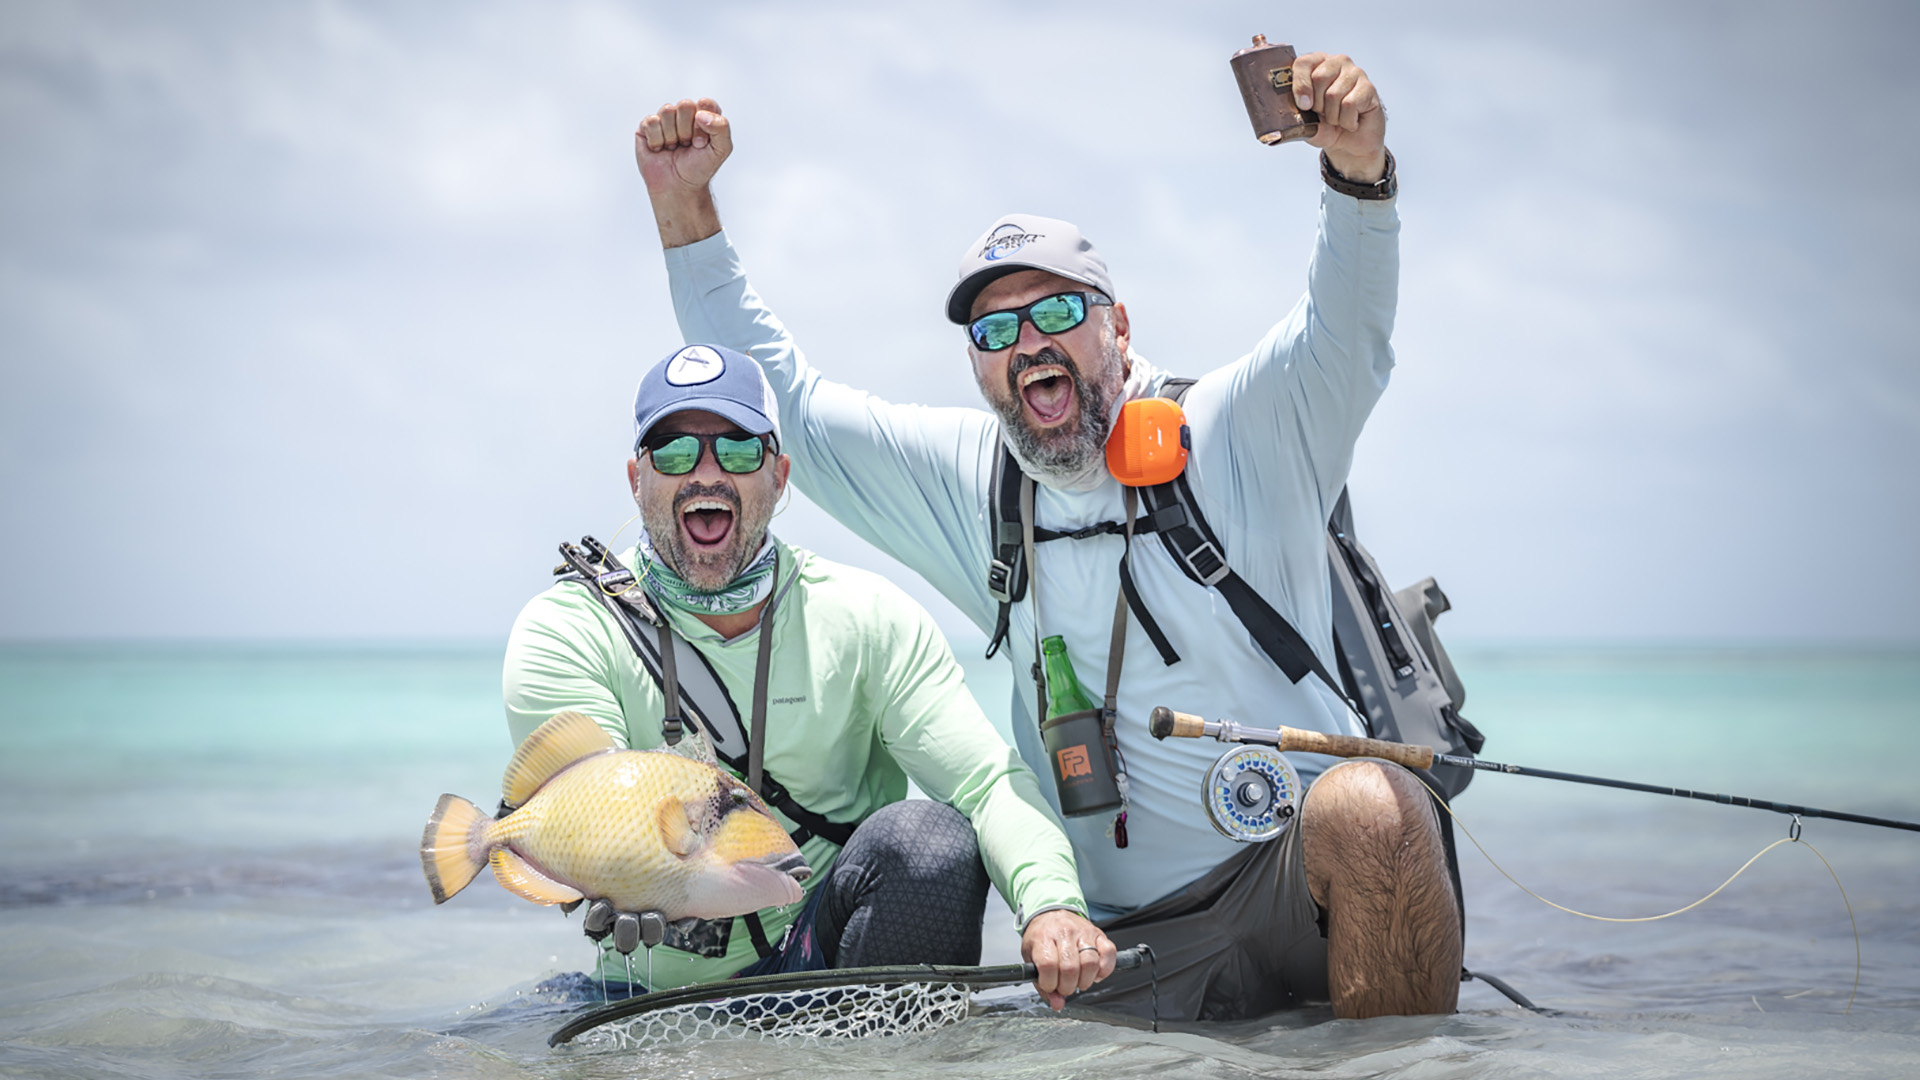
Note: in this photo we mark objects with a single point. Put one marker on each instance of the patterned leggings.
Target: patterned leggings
(908, 888)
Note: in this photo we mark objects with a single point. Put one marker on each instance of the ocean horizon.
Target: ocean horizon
(213, 872)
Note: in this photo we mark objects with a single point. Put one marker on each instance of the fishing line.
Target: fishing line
(609, 545)
(1793, 837)
(1165, 722)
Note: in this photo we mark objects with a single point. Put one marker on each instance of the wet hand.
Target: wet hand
(630, 929)
(680, 147)
(1070, 953)
(1353, 125)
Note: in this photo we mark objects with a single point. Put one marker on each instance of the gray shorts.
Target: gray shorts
(1243, 941)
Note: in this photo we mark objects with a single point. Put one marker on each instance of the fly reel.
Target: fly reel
(1251, 794)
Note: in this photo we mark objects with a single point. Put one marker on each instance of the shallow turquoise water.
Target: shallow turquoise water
(211, 872)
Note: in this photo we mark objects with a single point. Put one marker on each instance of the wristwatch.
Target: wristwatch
(1384, 188)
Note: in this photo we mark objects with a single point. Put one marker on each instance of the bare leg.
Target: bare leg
(1375, 861)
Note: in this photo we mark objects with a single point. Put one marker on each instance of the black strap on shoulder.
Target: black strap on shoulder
(1007, 572)
(1197, 552)
(618, 591)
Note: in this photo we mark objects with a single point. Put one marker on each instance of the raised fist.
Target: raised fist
(680, 147)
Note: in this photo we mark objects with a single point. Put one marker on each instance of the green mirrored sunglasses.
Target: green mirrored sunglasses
(677, 454)
(1055, 314)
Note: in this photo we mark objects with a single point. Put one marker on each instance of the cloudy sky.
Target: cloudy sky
(321, 320)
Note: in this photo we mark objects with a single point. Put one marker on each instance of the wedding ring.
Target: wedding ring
(1089, 948)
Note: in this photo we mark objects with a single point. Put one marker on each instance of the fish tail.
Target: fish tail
(454, 846)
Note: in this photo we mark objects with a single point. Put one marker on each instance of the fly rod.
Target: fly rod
(978, 978)
(1164, 722)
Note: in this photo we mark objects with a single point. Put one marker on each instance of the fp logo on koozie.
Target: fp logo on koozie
(694, 365)
(1074, 762)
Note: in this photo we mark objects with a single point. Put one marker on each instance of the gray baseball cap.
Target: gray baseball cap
(712, 378)
(1025, 242)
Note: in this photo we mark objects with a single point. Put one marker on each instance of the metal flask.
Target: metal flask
(1265, 75)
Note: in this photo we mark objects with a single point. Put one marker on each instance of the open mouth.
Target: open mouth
(794, 866)
(708, 522)
(1047, 390)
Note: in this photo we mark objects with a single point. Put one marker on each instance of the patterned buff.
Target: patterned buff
(753, 585)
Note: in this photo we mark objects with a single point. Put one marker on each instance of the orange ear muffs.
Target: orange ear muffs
(1149, 443)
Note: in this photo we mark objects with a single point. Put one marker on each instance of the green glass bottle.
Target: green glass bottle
(1076, 743)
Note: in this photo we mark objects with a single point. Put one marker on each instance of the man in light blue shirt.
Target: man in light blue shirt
(1354, 904)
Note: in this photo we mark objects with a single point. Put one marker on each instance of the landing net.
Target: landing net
(842, 1003)
(838, 1012)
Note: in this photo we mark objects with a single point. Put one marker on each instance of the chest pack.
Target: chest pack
(693, 694)
(1389, 664)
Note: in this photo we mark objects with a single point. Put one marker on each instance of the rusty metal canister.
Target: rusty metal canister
(1265, 75)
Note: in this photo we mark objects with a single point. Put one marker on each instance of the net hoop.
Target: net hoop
(765, 996)
(811, 1014)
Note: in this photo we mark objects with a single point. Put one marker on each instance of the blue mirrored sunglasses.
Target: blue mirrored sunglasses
(1055, 314)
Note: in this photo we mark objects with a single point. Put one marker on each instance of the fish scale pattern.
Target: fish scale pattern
(597, 825)
(909, 888)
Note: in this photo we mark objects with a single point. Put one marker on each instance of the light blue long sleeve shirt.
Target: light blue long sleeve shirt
(1273, 438)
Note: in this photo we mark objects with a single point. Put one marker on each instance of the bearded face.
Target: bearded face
(708, 524)
(1056, 413)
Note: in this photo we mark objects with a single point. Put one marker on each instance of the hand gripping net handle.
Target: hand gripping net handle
(1164, 722)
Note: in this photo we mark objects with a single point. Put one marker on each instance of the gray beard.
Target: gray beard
(1076, 461)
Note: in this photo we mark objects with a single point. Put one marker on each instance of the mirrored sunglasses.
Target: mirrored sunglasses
(675, 454)
(1055, 314)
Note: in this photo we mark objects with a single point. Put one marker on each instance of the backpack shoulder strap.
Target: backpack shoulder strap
(1007, 572)
(1183, 529)
(703, 697)
(1175, 515)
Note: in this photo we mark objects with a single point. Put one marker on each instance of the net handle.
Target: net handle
(979, 978)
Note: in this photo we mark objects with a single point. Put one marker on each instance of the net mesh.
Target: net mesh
(841, 1012)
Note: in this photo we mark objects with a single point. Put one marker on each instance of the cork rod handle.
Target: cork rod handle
(1164, 722)
(1351, 746)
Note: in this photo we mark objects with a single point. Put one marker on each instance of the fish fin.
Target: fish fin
(517, 875)
(454, 846)
(562, 740)
(675, 830)
(696, 745)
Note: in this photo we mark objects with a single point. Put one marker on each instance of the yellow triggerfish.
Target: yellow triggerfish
(646, 830)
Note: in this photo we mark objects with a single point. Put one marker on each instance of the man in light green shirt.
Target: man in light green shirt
(852, 689)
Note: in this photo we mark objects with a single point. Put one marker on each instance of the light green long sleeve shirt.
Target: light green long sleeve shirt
(863, 694)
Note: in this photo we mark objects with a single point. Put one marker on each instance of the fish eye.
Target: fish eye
(739, 796)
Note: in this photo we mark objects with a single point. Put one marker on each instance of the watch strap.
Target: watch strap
(1384, 188)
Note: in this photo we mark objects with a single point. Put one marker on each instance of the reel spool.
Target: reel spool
(1251, 794)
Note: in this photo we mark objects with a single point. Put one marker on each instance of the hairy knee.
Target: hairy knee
(1368, 825)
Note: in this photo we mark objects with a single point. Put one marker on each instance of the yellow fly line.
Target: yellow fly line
(1793, 838)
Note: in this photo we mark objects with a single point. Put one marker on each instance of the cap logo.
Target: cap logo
(1007, 240)
(694, 365)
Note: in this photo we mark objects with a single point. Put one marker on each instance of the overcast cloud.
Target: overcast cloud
(323, 319)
